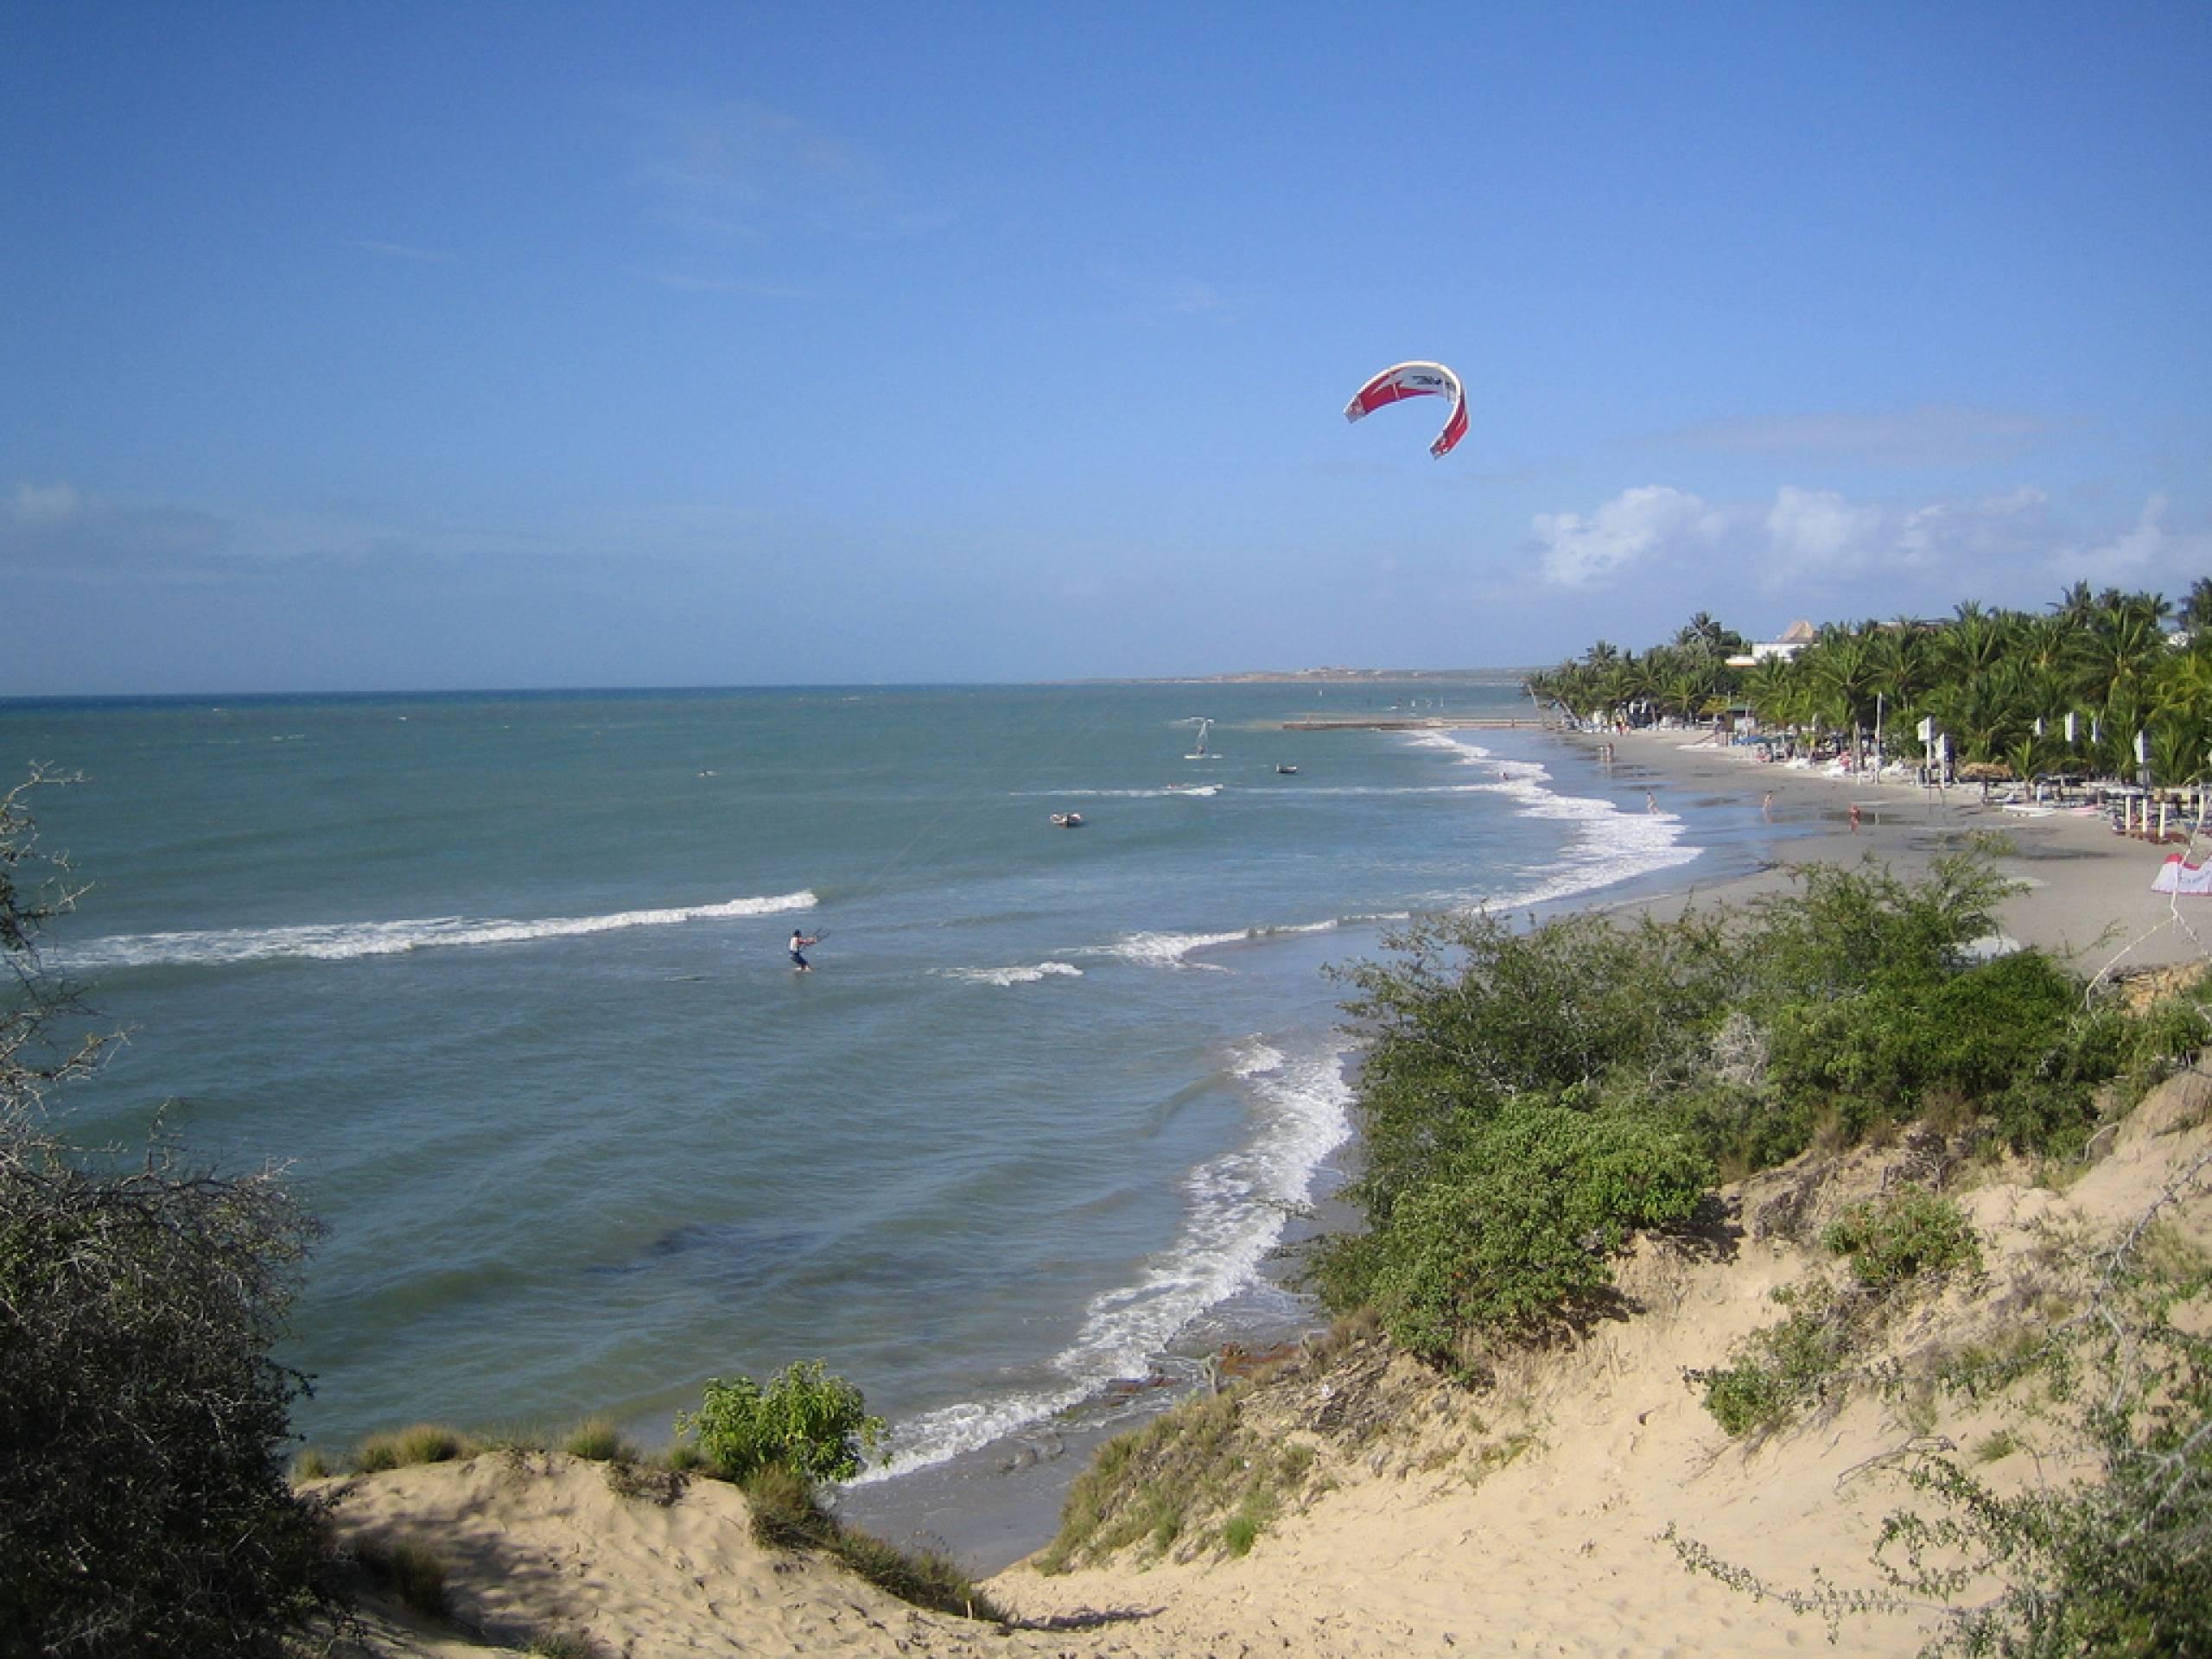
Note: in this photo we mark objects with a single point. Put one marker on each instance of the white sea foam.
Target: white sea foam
(1006, 976)
(1607, 846)
(345, 941)
(1255, 1057)
(1159, 793)
(1235, 1207)
(1172, 949)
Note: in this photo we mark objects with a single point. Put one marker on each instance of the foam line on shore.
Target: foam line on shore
(1610, 846)
(1236, 1208)
(348, 941)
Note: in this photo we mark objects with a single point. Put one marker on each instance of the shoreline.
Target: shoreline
(2085, 899)
(2085, 896)
(994, 1505)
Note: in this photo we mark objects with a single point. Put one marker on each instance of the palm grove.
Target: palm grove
(1999, 683)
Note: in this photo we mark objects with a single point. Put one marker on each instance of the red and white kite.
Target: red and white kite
(1416, 380)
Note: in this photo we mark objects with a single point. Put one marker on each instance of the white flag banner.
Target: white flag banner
(2179, 875)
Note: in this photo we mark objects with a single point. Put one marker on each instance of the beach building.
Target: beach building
(1795, 637)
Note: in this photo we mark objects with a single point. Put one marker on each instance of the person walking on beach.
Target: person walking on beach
(1766, 807)
(1854, 818)
(799, 942)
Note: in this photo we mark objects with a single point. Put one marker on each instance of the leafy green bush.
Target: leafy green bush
(1895, 1238)
(1533, 1096)
(1889, 1050)
(1847, 931)
(813, 1423)
(1779, 1370)
(1513, 1233)
(143, 1427)
(1477, 1019)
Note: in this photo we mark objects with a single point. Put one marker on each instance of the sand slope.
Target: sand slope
(1444, 1533)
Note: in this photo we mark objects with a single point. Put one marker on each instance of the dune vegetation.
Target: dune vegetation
(1536, 1100)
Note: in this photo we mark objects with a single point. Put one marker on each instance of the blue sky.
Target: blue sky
(408, 347)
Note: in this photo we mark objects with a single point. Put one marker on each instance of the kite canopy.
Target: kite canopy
(1415, 380)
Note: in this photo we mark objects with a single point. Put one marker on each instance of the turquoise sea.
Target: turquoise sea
(502, 979)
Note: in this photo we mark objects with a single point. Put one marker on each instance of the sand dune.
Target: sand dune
(1428, 1540)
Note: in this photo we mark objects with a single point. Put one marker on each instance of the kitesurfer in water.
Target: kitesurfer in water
(799, 942)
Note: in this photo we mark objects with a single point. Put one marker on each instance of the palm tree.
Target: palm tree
(2196, 613)
(1844, 671)
(2076, 606)
(1904, 664)
(1973, 643)
(2115, 656)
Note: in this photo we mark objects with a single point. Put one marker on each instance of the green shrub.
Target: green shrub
(1197, 1477)
(1477, 1019)
(1896, 1237)
(1513, 1234)
(1778, 1371)
(806, 1418)
(144, 1427)
(788, 1515)
(418, 1443)
(597, 1440)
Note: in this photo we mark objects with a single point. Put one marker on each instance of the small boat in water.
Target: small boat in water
(1286, 772)
(1068, 820)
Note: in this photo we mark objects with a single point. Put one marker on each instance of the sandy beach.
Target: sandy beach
(2085, 892)
(1530, 1517)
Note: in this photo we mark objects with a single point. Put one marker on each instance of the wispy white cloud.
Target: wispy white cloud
(57, 529)
(59, 532)
(2139, 553)
(1810, 530)
(45, 504)
(1636, 526)
(1823, 541)
(1925, 435)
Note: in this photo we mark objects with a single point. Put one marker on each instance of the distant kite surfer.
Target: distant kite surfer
(799, 942)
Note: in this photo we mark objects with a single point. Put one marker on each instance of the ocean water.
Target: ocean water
(503, 981)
